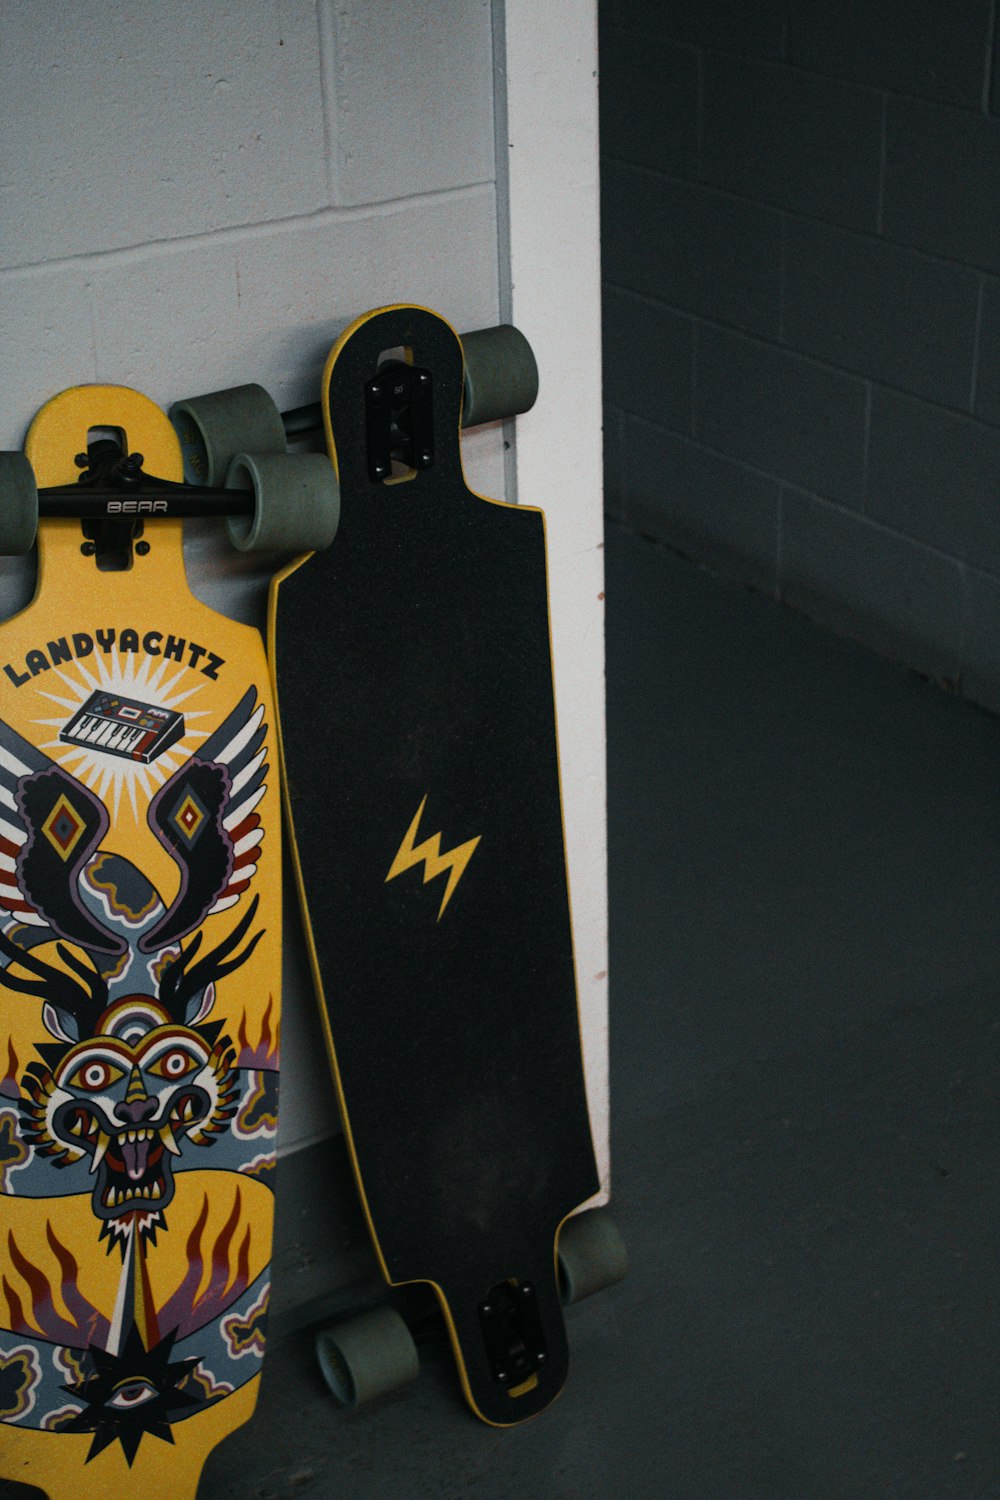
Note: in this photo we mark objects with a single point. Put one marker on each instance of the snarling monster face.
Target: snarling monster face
(130, 1099)
(128, 1083)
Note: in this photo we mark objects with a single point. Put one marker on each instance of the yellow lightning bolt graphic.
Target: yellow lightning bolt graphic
(434, 862)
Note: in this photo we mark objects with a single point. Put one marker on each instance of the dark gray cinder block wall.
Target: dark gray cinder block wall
(801, 242)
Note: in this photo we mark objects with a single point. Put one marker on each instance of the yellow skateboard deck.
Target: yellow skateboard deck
(140, 926)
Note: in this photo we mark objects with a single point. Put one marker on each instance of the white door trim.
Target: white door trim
(548, 192)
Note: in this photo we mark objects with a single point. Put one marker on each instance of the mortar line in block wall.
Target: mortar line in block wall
(991, 38)
(963, 621)
(766, 205)
(866, 445)
(977, 339)
(783, 279)
(699, 150)
(695, 352)
(328, 94)
(727, 458)
(883, 157)
(792, 352)
(244, 233)
(790, 488)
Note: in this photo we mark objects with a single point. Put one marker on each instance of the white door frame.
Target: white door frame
(548, 191)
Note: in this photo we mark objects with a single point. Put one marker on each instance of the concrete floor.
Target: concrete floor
(805, 869)
(805, 858)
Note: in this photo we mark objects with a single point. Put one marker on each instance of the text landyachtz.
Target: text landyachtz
(82, 643)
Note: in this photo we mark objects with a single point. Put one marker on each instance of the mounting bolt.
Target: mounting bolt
(142, 548)
(130, 468)
(88, 549)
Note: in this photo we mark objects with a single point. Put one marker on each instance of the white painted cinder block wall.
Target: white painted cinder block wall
(200, 193)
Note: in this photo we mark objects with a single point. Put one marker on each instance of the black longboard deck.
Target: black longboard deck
(413, 670)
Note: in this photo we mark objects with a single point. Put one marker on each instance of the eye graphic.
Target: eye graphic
(132, 1393)
(175, 1064)
(95, 1075)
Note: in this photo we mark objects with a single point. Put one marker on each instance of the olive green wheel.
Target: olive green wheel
(296, 502)
(591, 1255)
(501, 376)
(367, 1356)
(213, 429)
(18, 504)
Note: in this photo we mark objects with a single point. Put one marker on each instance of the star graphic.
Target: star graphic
(131, 1394)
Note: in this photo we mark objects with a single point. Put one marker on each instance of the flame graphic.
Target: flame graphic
(225, 1272)
(264, 1053)
(83, 1323)
(8, 1083)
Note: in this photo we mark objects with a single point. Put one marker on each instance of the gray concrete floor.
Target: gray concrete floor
(805, 872)
(805, 860)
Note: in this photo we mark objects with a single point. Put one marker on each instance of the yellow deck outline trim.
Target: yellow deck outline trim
(292, 845)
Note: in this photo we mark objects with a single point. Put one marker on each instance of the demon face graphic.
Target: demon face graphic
(136, 1072)
(153, 1077)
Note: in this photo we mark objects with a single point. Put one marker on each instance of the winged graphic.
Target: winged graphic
(52, 826)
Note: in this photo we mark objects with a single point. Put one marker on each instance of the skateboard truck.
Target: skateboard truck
(500, 380)
(512, 1332)
(105, 466)
(399, 419)
(113, 494)
(114, 485)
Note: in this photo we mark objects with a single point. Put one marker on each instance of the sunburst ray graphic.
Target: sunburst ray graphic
(148, 679)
